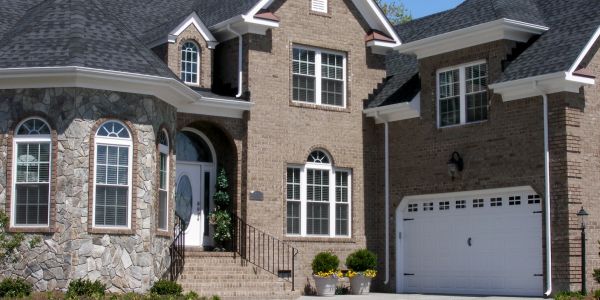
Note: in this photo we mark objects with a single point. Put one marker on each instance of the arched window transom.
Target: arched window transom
(318, 157)
(190, 55)
(32, 156)
(112, 178)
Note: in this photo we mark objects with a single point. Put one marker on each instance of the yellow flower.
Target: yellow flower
(370, 273)
(350, 274)
(331, 273)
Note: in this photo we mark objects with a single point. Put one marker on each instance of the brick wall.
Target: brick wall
(282, 133)
(173, 55)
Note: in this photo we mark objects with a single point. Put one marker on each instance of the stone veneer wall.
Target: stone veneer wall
(127, 262)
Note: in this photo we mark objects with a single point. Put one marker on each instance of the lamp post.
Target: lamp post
(582, 215)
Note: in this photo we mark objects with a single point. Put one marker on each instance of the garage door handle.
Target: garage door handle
(469, 242)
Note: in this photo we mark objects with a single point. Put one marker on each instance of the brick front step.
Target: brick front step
(229, 277)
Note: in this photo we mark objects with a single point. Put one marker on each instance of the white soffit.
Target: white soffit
(396, 112)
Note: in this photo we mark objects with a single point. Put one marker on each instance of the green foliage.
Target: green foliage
(8, 242)
(597, 294)
(14, 288)
(361, 260)
(85, 288)
(568, 296)
(35, 241)
(342, 290)
(395, 11)
(325, 262)
(597, 275)
(215, 298)
(166, 287)
(221, 217)
(191, 295)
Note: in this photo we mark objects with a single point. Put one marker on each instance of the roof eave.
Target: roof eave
(472, 36)
(169, 90)
(396, 112)
(549, 83)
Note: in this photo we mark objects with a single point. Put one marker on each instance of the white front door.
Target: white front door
(483, 242)
(192, 194)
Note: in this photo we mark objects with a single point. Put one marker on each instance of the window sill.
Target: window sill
(331, 108)
(115, 231)
(163, 233)
(320, 14)
(17, 229)
(465, 125)
(319, 239)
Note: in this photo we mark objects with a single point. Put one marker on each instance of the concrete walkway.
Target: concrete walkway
(378, 296)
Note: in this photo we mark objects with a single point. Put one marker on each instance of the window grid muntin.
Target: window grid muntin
(32, 133)
(413, 207)
(476, 93)
(304, 75)
(444, 205)
(534, 199)
(319, 77)
(478, 203)
(190, 62)
(461, 204)
(332, 79)
(294, 214)
(447, 100)
(121, 139)
(163, 189)
(341, 207)
(496, 202)
(514, 200)
(428, 206)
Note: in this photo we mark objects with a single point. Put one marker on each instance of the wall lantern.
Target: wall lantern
(455, 165)
(582, 216)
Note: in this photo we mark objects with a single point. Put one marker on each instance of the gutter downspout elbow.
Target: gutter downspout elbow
(547, 220)
(387, 204)
(240, 62)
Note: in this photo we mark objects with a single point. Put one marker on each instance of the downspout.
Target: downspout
(387, 203)
(240, 58)
(546, 193)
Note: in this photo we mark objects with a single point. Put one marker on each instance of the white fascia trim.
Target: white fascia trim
(472, 36)
(169, 90)
(585, 51)
(549, 83)
(245, 23)
(194, 19)
(396, 112)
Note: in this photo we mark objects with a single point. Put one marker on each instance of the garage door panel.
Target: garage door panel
(468, 249)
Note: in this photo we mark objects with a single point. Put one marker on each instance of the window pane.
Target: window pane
(341, 219)
(163, 171)
(450, 111)
(162, 210)
(449, 98)
(317, 218)
(303, 70)
(293, 217)
(341, 186)
(476, 93)
(332, 84)
(32, 202)
(477, 107)
(293, 184)
(189, 62)
(317, 185)
(111, 206)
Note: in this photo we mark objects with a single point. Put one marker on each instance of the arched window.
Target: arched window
(163, 189)
(318, 198)
(112, 179)
(190, 63)
(32, 156)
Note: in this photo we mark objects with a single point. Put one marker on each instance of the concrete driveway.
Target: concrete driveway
(378, 296)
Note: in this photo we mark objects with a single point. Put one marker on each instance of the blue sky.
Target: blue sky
(421, 8)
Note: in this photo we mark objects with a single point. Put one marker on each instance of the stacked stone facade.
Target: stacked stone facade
(126, 261)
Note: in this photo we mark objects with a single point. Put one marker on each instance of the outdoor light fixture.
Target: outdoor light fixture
(582, 215)
(455, 165)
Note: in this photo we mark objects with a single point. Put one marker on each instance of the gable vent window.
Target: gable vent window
(319, 6)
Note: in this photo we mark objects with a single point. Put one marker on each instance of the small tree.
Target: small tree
(395, 11)
(8, 242)
(221, 216)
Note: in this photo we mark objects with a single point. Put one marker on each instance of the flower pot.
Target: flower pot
(360, 285)
(325, 285)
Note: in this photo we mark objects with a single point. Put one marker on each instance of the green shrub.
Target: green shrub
(361, 260)
(597, 275)
(14, 288)
(166, 287)
(568, 296)
(215, 298)
(191, 295)
(597, 294)
(325, 262)
(85, 288)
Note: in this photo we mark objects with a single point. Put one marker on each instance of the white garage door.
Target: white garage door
(484, 243)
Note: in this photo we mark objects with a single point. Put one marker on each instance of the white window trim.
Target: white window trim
(199, 58)
(319, 75)
(164, 149)
(332, 203)
(462, 92)
(112, 141)
(24, 139)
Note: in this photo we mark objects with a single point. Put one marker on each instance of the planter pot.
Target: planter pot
(325, 286)
(360, 285)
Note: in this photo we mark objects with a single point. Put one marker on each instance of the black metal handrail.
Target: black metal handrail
(177, 250)
(263, 250)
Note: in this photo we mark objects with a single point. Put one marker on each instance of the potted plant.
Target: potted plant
(362, 266)
(326, 273)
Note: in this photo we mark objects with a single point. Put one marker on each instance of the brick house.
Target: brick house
(116, 117)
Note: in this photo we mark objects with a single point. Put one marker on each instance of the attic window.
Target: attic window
(319, 6)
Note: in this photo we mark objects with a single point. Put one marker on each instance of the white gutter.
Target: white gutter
(240, 57)
(387, 204)
(547, 220)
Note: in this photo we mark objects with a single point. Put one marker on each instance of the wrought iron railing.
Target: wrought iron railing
(263, 250)
(177, 250)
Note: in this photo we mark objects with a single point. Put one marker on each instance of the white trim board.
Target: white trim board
(194, 19)
(472, 36)
(170, 90)
(549, 83)
(396, 112)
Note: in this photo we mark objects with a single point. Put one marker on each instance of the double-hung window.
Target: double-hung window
(163, 173)
(190, 63)
(112, 178)
(318, 76)
(31, 183)
(462, 94)
(318, 198)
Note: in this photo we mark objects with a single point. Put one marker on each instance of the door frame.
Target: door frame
(399, 238)
(207, 240)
